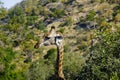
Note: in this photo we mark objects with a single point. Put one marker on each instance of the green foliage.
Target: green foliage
(68, 22)
(96, 1)
(66, 48)
(28, 7)
(103, 1)
(91, 15)
(104, 57)
(82, 47)
(27, 46)
(12, 27)
(51, 55)
(30, 35)
(53, 0)
(6, 57)
(16, 11)
(3, 36)
(114, 77)
(39, 70)
(57, 13)
(113, 1)
(63, 1)
(116, 11)
(44, 2)
(72, 65)
(31, 20)
(3, 12)
(21, 19)
(40, 25)
(62, 30)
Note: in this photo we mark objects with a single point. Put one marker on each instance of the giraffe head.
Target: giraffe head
(52, 38)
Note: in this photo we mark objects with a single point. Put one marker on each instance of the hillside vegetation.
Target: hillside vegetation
(91, 30)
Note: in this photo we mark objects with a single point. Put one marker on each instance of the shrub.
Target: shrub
(54, 0)
(30, 35)
(57, 13)
(51, 55)
(72, 64)
(66, 48)
(40, 25)
(3, 12)
(91, 15)
(114, 76)
(62, 30)
(82, 47)
(31, 20)
(117, 18)
(6, 57)
(68, 22)
(39, 70)
(104, 58)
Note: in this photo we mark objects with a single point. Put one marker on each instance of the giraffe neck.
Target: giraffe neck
(59, 70)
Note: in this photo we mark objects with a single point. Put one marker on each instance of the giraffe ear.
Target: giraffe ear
(52, 27)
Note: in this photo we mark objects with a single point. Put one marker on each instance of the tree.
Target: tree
(40, 70)
(15, 11)
(3, 10)
(104, 57)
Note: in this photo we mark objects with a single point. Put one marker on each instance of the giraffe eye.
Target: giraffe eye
(59, 37)
(46, 38)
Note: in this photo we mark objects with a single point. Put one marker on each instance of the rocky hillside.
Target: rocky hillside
(90, 29)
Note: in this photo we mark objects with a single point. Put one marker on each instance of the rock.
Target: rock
(49, 21)
(31, 27)
(55, 5)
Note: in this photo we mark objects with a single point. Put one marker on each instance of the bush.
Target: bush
(51, 55)
(3, 12)
(30, 35)
(62, 30)
(114, 76)
(68, 22)
(82, 47)
(6, 57)
(31, 20)
(72, 64)
(104, 58)
(39, 70)
(57, 13)
(40, 25)
(117, 17)
(91, 15)
(54, 0)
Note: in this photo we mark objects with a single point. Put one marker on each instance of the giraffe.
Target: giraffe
(55, 38)
(59, 70)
